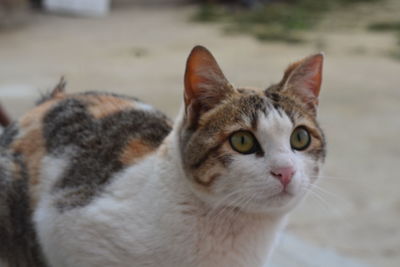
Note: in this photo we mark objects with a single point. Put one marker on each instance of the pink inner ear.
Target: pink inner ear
(304, 78)
(198, 61)
(315, 69)
(203, 78)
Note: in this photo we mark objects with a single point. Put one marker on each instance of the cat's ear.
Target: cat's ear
(303, 80)
(205, 84)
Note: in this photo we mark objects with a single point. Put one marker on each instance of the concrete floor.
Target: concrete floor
(142, 52)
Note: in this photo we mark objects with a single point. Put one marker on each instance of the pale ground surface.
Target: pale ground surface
(142, 52)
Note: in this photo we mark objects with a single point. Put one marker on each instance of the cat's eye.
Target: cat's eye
(300, 138)
(244, 142)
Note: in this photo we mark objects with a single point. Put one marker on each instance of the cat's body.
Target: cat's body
(98, 179)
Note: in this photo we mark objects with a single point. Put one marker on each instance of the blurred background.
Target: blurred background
(139, 47)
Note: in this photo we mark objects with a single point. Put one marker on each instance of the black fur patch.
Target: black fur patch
(18, 246)
(97, 144)
(8, 135)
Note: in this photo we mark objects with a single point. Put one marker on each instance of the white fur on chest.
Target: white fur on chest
(146, 217)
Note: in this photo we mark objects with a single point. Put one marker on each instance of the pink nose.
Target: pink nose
(284, 174)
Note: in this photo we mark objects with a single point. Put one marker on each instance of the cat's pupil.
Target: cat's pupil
(242, 139)
(299, 136)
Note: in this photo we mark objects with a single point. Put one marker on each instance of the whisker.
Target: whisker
(320, 200)
(330, 177)
(318, 194)
(324, 191)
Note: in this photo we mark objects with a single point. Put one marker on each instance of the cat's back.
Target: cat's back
(100, 132)
(93, 136)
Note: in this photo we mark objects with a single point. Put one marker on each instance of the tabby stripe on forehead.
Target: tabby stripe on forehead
(254, 120)
(283, 104)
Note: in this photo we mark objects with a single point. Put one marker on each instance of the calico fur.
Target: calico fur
(99, 179)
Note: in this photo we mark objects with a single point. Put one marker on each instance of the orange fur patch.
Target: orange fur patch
(101, 106)
(31, 144)
(32, 147)
(134, 151)
(207, 180)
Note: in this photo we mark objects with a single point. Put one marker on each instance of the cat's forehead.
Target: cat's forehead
(274, 125)
(274, 104)
(262, 114)
(250, 91)
(250, 106)
(242, 107)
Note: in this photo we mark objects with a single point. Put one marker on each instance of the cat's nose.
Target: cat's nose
(283, 174)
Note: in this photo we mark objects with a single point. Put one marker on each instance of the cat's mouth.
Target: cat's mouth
(284, 192)
(280, 196)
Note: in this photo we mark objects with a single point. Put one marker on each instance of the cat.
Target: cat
(4, 118)
(99, 179)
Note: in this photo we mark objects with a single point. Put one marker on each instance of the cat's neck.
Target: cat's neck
(181, 227)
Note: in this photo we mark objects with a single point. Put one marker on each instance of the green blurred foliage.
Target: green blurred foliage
(385, 26)
(274, 20)
(388, 26)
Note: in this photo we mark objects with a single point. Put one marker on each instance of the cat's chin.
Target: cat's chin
(280, 203)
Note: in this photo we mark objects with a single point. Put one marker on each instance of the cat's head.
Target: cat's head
(256, 150)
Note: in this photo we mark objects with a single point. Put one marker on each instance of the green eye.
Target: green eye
(243, 142)
(300, 138)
